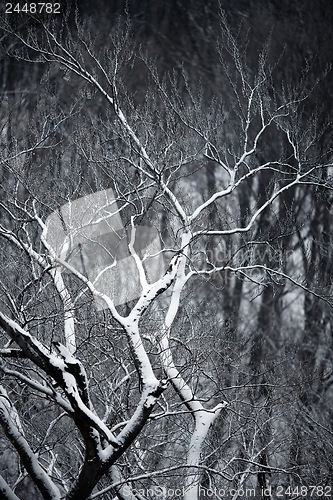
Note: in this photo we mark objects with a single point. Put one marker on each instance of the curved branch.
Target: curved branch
(10, 422)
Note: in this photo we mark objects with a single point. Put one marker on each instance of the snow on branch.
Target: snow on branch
(65, 370)
(11, 425)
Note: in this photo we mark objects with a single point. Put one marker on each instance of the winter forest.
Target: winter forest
(166, 245)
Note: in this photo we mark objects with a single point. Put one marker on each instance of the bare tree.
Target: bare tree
(110, 384)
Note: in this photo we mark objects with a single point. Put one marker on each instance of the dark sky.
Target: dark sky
(180, 32)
